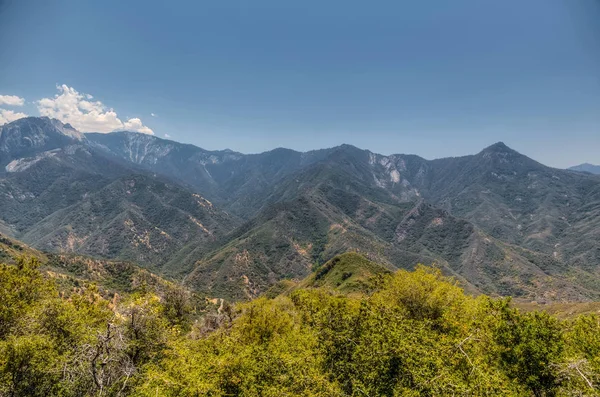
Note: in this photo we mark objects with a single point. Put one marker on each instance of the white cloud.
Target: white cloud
(69, 106)
(135, 124)
(6, 116)
(153, 115)
(167, 136)
(11, 100)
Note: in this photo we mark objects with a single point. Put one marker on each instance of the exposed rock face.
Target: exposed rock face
(33, 135)
(22, 164)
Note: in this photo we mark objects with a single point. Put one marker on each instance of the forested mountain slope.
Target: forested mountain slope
(337, 206)
(232, 225)
(75, 199)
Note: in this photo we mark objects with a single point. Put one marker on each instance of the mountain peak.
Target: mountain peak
(128, 133)
(348, 272)
(31, 135)
(46, 124)
(498, 147)
(586, 167)
(347, 148)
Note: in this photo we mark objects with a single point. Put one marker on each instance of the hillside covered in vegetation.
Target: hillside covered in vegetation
(351, 329)
(232, 226)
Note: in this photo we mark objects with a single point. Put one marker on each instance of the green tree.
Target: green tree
(529, 346)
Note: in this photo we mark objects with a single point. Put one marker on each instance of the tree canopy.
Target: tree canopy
(416, 334)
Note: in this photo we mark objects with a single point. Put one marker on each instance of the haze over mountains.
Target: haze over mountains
(232, 225)
(587, 167)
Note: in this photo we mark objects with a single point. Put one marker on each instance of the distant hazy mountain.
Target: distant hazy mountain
(586, 167)
(236, 181)
(232, 225)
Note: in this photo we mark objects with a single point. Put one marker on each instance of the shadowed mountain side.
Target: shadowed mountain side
(135, 218)
(288, 239)
(74, 272)
(232, 180)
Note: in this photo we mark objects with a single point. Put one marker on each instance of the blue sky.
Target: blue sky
(436, 78)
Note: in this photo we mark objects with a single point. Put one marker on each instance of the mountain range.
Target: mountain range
(587, 167)
(231, 225)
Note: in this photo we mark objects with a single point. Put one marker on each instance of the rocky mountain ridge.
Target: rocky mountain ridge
(232, 225)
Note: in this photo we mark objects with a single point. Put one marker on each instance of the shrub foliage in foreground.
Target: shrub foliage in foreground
(418, 334)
